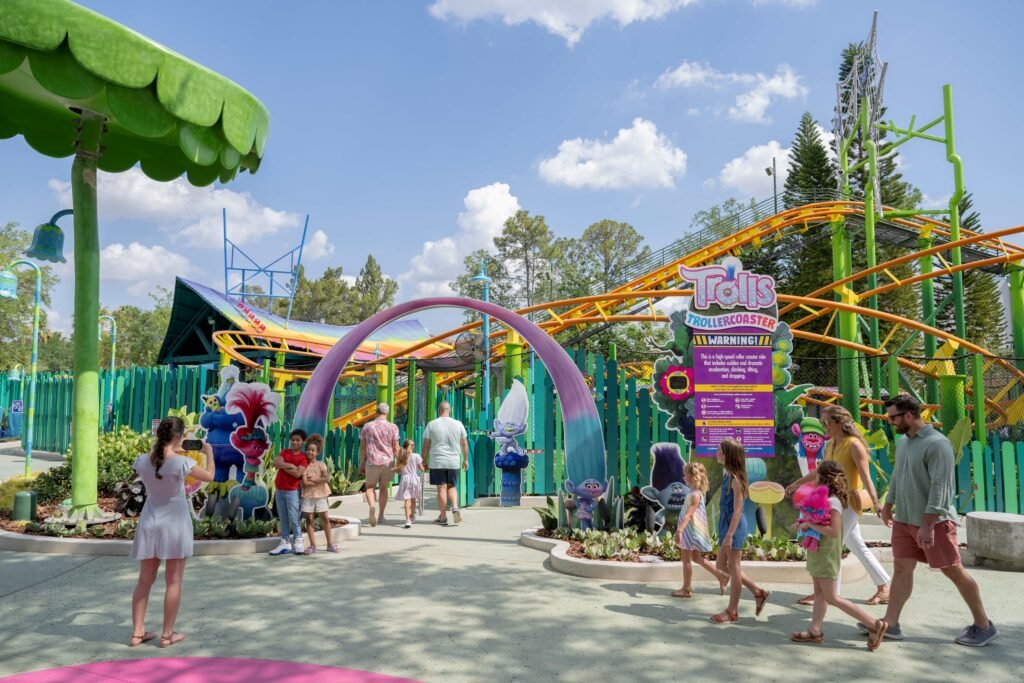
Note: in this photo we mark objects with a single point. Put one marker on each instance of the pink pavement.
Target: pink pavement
(201, 670)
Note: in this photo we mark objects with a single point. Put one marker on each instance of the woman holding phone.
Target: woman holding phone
(165, 525)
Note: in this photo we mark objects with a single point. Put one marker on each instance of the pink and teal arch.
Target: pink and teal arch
(584, 437)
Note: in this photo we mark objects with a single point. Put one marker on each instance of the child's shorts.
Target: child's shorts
(314, 505)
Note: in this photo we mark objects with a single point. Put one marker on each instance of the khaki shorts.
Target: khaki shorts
(378, 475)
(314, 505)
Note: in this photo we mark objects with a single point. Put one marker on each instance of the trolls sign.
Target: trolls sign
(732, 357)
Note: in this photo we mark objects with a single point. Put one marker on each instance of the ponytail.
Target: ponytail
(170, 429)
(404, 453)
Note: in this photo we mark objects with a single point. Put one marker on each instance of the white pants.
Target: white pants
(854, 541)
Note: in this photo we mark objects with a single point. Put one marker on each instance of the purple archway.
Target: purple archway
(584, 438)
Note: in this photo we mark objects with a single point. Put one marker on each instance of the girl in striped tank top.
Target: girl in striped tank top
(692, 535)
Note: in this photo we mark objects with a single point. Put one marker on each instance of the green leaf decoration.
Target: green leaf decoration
(163, 111)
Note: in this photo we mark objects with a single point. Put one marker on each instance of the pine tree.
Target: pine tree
(373, 290)
(984, 313)
(810, 171)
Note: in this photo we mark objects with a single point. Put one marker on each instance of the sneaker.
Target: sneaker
(978, 637)
(408, 524)
(457, 516)
(443, 521)
(893, 633)
(282, 548)
(298, 549)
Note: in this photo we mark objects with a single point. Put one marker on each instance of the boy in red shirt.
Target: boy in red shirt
(290, 463)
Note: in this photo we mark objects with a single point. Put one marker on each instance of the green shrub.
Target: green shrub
(12, 486)
(115, 457)
(54, 485)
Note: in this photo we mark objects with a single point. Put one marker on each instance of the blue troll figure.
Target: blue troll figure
(511, 460)
(667, 488)
(219, 424)
(587, 494)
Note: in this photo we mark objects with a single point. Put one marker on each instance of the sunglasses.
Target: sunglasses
(893, 416)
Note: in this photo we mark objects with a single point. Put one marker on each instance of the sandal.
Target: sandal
(333, 548)
(682, 593)
(759, 600)
(173, 639)
(724, 617)
(879, 598)
(806, 600)
(310, 550)
(807, 636)
(139, 640)
(875, 639)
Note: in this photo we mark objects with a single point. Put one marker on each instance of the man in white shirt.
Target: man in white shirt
(446, 451)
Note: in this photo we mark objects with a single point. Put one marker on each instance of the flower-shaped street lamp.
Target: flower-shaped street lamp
(9, 290)
(75, 83)
(48, 240)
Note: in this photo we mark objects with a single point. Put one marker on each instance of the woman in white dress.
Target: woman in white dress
(165, 526)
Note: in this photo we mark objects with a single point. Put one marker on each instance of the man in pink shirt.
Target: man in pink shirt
(378, 447)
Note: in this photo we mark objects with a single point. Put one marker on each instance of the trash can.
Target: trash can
(25, 506)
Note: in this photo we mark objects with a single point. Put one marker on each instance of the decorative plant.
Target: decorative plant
(548, 515)
(126, 528)
(344, 481)
(131, 496)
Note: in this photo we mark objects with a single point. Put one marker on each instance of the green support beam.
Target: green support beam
(978, 389)
(928, 312)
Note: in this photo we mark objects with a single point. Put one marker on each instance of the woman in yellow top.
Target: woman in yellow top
(847, 447)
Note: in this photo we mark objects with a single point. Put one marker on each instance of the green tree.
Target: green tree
(328, 299)
(732, 216)
(810, 171)
(16, 314)
(610, 251)
(984, 312)
(526, 246)
(373, 291)
(500, 292)
(140, 332)
(56, 352)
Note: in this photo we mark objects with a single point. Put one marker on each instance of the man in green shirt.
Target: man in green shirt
(919, 508)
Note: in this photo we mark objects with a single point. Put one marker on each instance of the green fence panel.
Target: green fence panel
(1009, 479)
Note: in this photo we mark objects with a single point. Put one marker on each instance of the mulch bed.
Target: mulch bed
(44, 511)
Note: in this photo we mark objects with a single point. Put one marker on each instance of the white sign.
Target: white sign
(17, 406)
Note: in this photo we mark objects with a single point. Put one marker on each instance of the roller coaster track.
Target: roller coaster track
(987, 251)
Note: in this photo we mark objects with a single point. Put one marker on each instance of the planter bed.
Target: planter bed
(654, 569)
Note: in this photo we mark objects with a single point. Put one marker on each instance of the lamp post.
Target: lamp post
(775, 184)
(482, 278)
(113, 357)
(9, 290)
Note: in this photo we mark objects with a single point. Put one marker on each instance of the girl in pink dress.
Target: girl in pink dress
(410, 486)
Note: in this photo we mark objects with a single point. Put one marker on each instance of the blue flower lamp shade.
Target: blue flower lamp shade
(8, 285)
(47, 244)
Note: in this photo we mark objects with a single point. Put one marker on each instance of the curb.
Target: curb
(763, 572)
(80, 546)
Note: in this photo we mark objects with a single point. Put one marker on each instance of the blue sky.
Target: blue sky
(410, 130)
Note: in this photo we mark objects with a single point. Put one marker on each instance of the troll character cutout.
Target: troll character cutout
(219, 424)
(811, 435)
(509, 424)
(257, 404)
(812, 501)
(587, 494)
(667, 489)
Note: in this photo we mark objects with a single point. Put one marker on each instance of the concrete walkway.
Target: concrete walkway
(469, 603)
(12, 460)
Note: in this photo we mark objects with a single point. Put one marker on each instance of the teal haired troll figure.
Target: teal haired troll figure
(510, 423)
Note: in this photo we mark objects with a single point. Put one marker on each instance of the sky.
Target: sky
(412, 129)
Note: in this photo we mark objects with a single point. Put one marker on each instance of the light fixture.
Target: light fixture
(48, 240)
(8, 285)
(768, 170)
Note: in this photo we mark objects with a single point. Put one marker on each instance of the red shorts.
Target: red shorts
(945, 552)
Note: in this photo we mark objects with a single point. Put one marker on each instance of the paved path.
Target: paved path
(12, 460)
(469, 603)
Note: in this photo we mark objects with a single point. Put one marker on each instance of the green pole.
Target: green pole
(928, 313)
(872, 256)
(410, 402)
(513, 358)
(849, 385)
(1017, 313)
(613, 351)
(390, 395)
(431, 395)
(113, 362)
(978, 384)
(85, 410)
(954, 219)
(30, 411)
(951, 400)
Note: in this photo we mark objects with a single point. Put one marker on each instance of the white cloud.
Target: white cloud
(940, 202)
(440, 261)
(760, 90)
(636, 157)
(55, 320)
(747, 173)
(318, 246)
(565, 18)
(142, 266)
(189, 212)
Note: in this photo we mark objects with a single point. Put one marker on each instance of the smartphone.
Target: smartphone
(192, 444)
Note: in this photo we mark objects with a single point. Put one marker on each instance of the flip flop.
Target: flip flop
(173, 639)
(681, 593)
(144, 638)
(760, 600)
